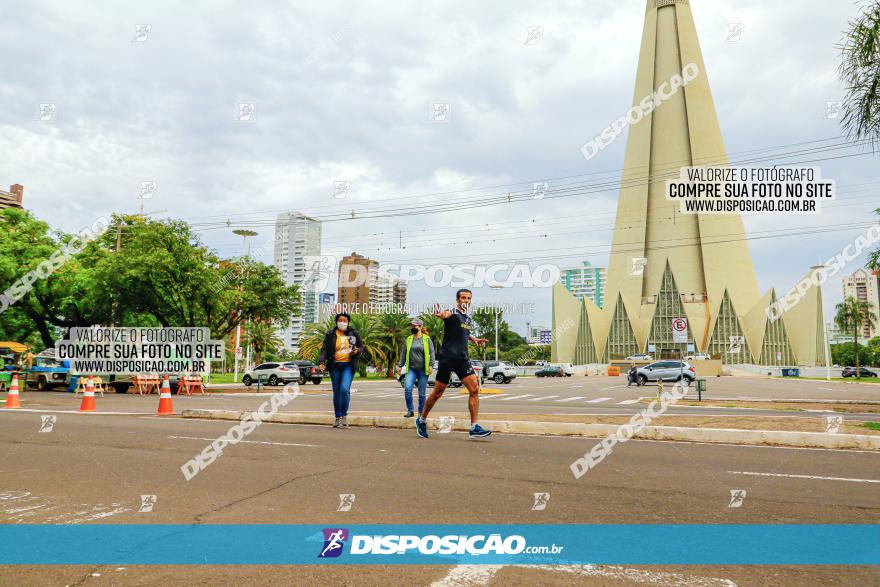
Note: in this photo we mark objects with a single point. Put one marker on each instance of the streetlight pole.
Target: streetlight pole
(244, 234)
(496, 288)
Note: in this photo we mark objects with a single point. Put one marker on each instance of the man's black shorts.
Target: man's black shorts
(461, 367)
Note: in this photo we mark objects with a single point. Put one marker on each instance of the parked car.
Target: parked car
(550, 371)
(498, 371)
(851, 372)
(308, 371)
(541, 363)
(667, 371)
(454, 381)
(272, 374)
(698, 357)
(641, 357)
(567, 368)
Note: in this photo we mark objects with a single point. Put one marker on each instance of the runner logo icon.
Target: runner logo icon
(334, 541)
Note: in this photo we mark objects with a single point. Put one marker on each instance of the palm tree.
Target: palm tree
(263, 338)
(371, 336)
(434, 324)
(393, 327)
(852, 314)
(860, 71)
(313, 338)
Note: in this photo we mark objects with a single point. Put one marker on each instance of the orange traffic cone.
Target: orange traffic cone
(88, 403)
(166, 406)
(12, 394)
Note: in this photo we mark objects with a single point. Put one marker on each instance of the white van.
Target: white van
(567, 368)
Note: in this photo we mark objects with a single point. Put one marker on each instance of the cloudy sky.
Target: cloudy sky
(345, 92)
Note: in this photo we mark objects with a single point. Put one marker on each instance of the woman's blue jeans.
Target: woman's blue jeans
(408, 381)
(341, 376)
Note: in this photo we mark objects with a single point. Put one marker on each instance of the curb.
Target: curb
(709, 435)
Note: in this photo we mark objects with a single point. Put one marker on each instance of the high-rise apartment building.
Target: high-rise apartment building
(297, 251)
(12, 198)
(863, 286)
(585, 281)
(361, 283)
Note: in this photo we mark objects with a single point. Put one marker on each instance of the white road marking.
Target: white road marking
(805, 477)
(507, 399)
(473, 575)
(251, 441)
(570, 399)
(491, 396)
(598, 400)
(543, 397)
(612, 387)
(627, 402)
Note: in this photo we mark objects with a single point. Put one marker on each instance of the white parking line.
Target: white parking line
(570, 399)
(805, 477)
(543, 397)
(507, 399)
(251, 441)
(598, 400)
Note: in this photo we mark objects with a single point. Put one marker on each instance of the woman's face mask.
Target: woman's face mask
(415, 329)
(342, 325)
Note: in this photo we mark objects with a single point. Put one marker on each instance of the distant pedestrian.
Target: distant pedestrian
(632, 376)
(340, 351)
(414, 364)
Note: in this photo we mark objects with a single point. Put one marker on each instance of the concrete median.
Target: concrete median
(672, 433)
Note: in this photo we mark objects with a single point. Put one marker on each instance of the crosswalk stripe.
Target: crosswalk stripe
(570, 399)
(543, 397)
(491, 395)
(627, 402)
(507, 399)
(598, 400)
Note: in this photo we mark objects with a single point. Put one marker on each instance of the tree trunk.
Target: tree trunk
(856, 348)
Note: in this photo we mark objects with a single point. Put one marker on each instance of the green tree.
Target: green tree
(162, 271)
(860, 72)
(852, 315)
(262, 336)
(393, 328)
(434, 324)
(842, 354)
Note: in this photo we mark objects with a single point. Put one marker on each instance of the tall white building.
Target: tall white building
(297, 248)
(863, 286)
(585, 281)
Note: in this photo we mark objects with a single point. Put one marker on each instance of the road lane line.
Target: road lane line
(627, 402)
(543, 397)
(598, 400)
(817, 477)
(507, 399)
(251, 441)
(570, 399)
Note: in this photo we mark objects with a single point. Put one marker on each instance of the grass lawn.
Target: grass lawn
(871, 425)
(874, 380)
(227, 377)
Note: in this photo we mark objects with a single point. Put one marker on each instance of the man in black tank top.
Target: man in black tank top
(453, 358)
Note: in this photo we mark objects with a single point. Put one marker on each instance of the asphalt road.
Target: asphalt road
(571, 395)
(93, 469)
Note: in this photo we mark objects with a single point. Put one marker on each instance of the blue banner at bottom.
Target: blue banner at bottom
(560, 544)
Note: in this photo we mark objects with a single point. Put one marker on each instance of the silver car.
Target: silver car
(272, 374)
(667, 371)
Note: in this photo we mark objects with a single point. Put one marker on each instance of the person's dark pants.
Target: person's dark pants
(409, 380)
(341, 376)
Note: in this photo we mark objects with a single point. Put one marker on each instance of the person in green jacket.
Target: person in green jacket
(415, 364)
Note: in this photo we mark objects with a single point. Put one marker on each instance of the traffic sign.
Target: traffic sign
(238, 353)
(680, 330)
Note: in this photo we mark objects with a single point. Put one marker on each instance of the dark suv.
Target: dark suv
(308, 371)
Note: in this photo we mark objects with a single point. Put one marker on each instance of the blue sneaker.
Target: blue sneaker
(478, 431)
(421, 427)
